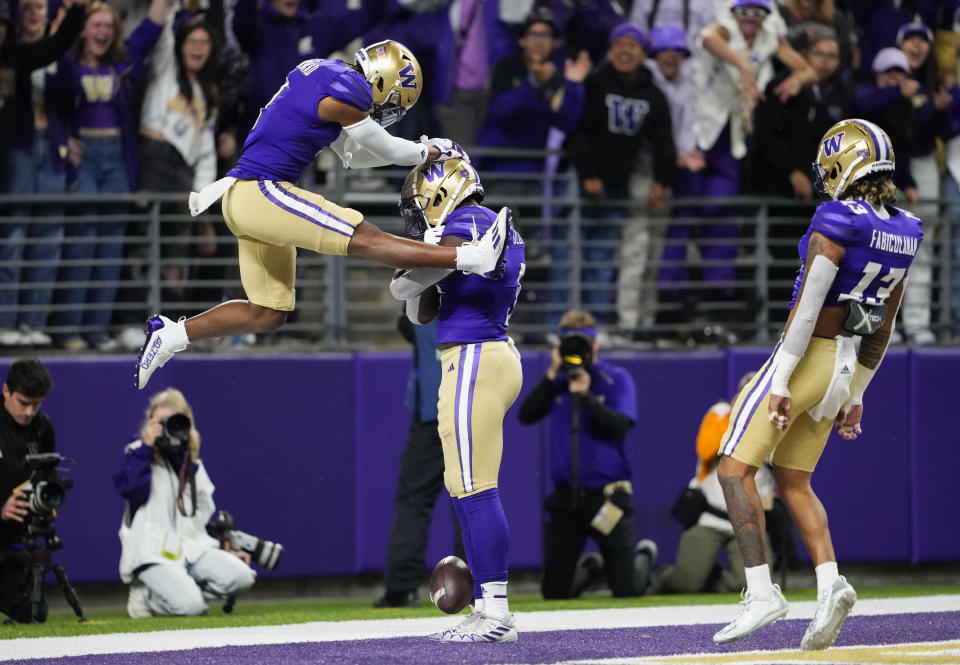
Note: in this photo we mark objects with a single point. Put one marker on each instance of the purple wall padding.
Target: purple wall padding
(304, 450)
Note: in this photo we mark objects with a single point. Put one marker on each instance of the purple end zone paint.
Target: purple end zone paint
(548, 647)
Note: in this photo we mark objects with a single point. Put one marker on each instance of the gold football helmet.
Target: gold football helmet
(395, 76)
(433, 191)
(850, 150)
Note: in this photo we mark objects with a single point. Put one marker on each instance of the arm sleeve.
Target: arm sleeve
(538, 402)
(34, 55)
(132, 482)
(871, 99)
(245, 24)
(579, 145)
(140, 44)
(567, 106)
(375, 139)
(611, 424)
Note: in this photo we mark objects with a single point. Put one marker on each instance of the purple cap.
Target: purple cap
(628, 30)
(915, 27)
(765, 4)
(890, 58)
(666, 37)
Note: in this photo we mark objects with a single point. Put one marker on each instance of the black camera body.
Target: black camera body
(45, 491)
(265, 553)
(176, 434)
(576, 353)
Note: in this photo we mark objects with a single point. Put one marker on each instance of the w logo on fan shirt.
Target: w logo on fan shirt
(408, 78)
(832, 144)
(625, 115)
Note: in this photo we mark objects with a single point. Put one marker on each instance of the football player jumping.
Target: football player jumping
(481, 375)
(323, 103)
(855, 256)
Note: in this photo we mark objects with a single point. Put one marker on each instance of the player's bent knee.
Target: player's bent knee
(363, 237)
(268, 320)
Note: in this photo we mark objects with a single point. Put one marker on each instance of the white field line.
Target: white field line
(327, 631)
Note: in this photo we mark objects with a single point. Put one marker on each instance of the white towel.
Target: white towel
(200, 201)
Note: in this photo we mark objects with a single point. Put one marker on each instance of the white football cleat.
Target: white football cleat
(479, 628)
(486, 255)
(472, 618)
(164, 338)
(833, 606)
(755, 615)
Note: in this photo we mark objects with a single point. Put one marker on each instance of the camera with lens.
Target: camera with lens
(576, 353)
(45, 491)
(264, 553)
(176, 434)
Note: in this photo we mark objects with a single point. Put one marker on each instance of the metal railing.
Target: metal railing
(605, 257)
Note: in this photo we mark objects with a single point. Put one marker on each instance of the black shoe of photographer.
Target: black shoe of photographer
(398, 599)
(589, 569)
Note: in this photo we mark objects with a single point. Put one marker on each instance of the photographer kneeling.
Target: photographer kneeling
(168, 558)
(592, 405)
(24, 430)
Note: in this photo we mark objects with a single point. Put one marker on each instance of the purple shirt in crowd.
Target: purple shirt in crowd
(472, 57)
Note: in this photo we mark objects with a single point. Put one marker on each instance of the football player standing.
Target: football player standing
(323, 103)
(855, 255)
(481, 375)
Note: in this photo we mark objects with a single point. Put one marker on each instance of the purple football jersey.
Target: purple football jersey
(877, 252)
(288, 134)
(474, 308)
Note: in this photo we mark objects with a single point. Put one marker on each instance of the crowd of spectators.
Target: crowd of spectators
(651, 97)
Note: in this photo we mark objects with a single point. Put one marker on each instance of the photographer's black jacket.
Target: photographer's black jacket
(16, 442)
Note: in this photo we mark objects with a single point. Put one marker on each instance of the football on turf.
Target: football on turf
(451, 585)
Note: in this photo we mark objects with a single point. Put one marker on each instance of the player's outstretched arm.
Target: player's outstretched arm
(371, 142)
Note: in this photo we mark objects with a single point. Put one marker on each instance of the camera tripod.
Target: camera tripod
(41, 527)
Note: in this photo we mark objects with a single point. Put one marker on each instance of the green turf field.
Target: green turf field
(64, 623)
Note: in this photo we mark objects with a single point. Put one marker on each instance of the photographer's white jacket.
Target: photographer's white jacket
(158, 527)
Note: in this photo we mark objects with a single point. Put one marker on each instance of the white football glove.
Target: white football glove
(433, 234)
(448, 149)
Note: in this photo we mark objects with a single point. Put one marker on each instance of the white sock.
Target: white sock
(495, 599)
(759, 583)
(827, 574)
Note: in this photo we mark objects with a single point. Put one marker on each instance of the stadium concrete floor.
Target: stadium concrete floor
(113, 595)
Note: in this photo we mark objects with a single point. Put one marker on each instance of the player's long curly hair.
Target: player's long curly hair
(173, 399)
(876, 188)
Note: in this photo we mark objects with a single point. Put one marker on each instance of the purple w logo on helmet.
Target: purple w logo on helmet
(408, 78)
(433, 171)
(832, 144)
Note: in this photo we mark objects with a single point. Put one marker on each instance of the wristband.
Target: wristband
(861, 379)
(786, 363)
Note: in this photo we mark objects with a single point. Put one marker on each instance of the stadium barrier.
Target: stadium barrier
(343, 303)
(304, 450)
